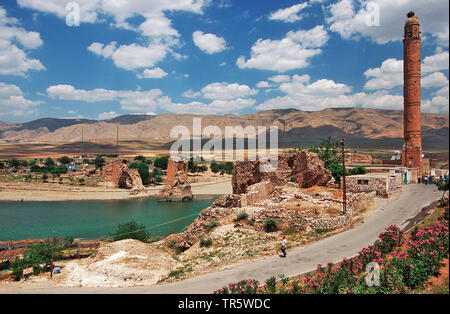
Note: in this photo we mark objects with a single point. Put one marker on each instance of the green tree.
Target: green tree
(144, 173)
(140, 158)
(37, 256)
(65, 160)
(161, 162)
(328, 151)
(99, 162)
(49, 162)
(214, 167)
(13, 163)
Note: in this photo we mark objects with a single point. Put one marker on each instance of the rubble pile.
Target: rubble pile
(120, 264)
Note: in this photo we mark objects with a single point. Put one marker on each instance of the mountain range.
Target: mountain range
(352, 123)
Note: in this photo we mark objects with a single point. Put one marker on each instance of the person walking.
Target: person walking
(283, 246)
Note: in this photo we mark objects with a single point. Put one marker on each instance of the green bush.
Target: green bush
(65, 160)
(358, 170)
(161, 162)
(205, 242)
(241, 216)
(130, 230)
(212, 224)
(270, 225)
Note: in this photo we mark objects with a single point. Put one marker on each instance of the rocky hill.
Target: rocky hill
(357, 123)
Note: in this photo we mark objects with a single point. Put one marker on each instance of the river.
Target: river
(94, 219)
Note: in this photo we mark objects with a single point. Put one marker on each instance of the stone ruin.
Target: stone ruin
(271, 195)
(118, 175)
(177, 187)
(303, 168)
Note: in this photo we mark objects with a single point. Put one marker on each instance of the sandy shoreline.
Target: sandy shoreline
(28, 192)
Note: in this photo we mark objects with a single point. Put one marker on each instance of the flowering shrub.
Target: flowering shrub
(400, 270)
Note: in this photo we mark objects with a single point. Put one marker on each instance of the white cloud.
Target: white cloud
(289, 14)
(291, 52)
(303, 94)
(13, 103)
(436, 62)
(209, 43)
(15, 60)
(88, 8)
(279, 78)
(158, 40)
(436, 79)
(263, 84)
(153, 73)
(130, 100)
(107, 115)
(348, 18)
(191, 94)
(131, 57)
(438, 104)
(226, 91)
(390, 74)
(214, 107)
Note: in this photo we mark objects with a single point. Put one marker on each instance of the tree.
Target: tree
(161, 162)
(214, 167)
(49, 162)
(99, 162)
(140, 158)
(328, 151)
(65, 160)
(13, 163)
(144, 173)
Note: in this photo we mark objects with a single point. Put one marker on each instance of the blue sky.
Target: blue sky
(213, 57)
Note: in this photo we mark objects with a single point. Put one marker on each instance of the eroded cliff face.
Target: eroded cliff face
(177, 187)
(303, 167)
(117, 174)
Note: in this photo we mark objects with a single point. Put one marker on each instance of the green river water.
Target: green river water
(94, 219)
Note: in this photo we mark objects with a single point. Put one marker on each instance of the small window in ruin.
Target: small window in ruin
(363, 182)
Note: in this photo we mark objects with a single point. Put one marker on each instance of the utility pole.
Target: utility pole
(344, 189)
(82, 144)
(117, 142)
(53, 253)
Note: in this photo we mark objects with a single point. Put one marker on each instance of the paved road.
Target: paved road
(399, 210)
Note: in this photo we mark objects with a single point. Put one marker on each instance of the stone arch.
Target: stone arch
(125, 181)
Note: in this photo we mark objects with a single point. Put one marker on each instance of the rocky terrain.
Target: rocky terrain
(348, 122)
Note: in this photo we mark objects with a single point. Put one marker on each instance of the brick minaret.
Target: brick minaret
(412, 148)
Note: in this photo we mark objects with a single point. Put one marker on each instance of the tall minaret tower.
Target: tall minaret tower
(412, 148)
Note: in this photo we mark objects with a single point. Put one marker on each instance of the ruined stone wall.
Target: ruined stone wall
(303, 167)
(117, 174)
(177, 188)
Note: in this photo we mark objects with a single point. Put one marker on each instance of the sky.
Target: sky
(98, 59)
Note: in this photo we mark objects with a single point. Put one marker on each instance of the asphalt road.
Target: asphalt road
(398, 210)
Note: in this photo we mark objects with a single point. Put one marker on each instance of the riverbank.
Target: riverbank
(28, 192)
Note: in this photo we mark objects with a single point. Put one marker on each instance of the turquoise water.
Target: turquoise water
(94, 219)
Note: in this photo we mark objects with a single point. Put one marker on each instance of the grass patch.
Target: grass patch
(212, 224)
(205, 242)
(241, 216)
